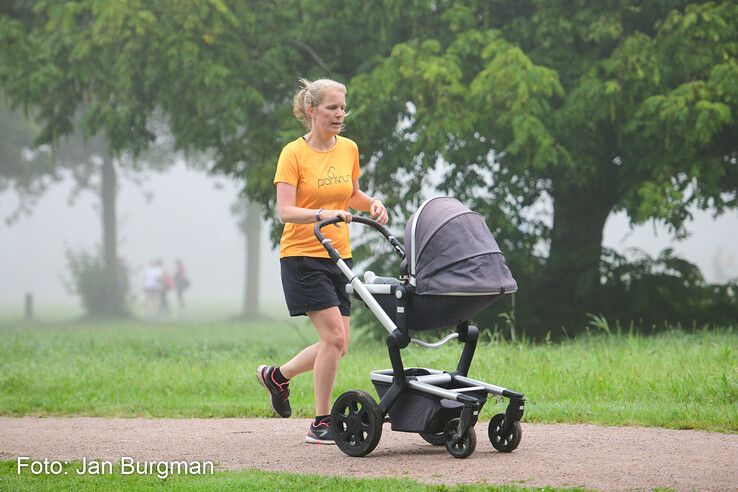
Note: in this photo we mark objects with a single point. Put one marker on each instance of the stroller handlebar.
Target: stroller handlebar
(361, 220)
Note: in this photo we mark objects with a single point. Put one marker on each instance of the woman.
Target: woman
(317, 178)
(181, 282)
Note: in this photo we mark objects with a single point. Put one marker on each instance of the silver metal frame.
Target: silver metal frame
(411, 260)
(365, 292)
(426, 384)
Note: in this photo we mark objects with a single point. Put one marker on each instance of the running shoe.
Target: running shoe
(320, 434)
(278, 392)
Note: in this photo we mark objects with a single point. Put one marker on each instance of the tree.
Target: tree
(88, 102)
(94, 169)
(248, 214)
(595, 108)
(222, 73)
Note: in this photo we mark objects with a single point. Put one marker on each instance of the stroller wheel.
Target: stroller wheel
(357, 424)
(438, 439)
(504, 443)
(465, 446)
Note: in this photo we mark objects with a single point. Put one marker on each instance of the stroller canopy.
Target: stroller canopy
(451, 251)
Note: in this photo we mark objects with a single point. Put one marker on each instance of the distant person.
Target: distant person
(153, 281)
(317, 178)
(167, 284)
(181, 283)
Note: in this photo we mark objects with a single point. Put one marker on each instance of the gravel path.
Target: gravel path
(562, 455)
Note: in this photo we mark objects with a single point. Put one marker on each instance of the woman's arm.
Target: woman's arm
(287, 211)
(364, 203)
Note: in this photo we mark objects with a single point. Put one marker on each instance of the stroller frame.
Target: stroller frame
(357, 419)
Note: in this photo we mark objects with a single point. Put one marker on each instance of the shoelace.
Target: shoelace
(284, 388)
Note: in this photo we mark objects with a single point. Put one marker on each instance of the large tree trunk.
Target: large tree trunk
(570, 281)
(253, 256)
(110, 253)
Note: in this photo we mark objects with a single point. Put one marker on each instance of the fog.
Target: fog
(189, 217)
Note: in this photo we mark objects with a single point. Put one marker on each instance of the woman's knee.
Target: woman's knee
(336, 340)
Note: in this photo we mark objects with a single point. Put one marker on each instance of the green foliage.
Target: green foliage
(87, 280)
(24, 169)
(598, 108)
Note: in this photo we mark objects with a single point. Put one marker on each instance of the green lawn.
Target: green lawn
(241, 480)
(198, 369)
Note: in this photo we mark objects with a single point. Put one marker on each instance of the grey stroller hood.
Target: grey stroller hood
(451, 251)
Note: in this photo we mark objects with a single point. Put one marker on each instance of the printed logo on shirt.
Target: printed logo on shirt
(332, 179)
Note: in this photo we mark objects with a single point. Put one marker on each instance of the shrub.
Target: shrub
(87, 280)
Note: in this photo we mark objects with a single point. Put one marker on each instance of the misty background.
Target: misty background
(188, 216)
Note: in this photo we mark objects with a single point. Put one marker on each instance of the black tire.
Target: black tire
(356, 423)
(434, 439)
(465, 446)
(504, 443)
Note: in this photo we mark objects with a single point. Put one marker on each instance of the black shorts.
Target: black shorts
(311, 284)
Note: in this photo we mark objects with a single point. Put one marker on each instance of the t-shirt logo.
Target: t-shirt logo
(331, 178)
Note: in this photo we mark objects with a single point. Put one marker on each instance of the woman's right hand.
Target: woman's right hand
(343, 214)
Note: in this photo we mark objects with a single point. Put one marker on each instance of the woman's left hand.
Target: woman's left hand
(376, 209)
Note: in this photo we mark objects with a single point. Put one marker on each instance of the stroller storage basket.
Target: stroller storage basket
(421, 412)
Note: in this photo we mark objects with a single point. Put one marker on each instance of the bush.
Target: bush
(87, 280)
(656, 292)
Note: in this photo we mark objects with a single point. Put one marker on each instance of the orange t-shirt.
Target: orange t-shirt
(323, 180)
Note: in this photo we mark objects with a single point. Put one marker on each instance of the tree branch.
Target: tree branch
(310, 51)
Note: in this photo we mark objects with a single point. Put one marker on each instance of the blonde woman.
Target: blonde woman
(317, 178)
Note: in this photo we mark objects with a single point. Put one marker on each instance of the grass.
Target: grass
(205, 369)
(220, 481)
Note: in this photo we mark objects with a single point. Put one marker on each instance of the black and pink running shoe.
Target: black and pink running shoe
(321, 433)
(278, 392)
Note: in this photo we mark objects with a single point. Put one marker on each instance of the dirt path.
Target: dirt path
(563, 455)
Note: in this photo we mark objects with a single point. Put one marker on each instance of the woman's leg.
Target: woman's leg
(346, 331)
(305, 360)
(302, 362)
(332, 332)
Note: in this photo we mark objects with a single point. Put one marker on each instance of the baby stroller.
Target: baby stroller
(454, 270)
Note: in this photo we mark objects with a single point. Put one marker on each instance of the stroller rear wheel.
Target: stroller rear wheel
(508, 442)
(465, 446)
(357, 424)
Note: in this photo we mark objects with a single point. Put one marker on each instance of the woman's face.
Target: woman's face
(328, 115)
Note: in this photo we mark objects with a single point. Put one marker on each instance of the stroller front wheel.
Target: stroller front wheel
(356, 423)
(504, 443)
(465, 446)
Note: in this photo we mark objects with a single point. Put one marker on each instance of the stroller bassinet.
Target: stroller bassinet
(454, 263)
(451, 270)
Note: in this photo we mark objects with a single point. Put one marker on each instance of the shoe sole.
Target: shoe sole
(259, 370)
(312, 440)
